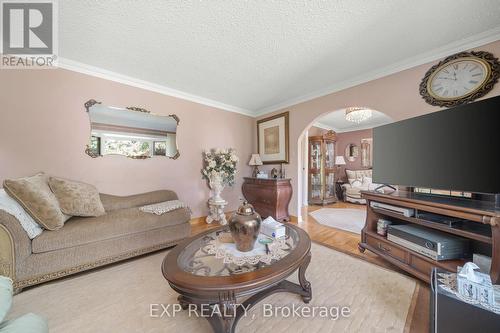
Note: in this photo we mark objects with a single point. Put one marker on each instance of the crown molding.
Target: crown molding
(324, 126)
(79, 67)
(423, 58)
(464, 44)
(338, 131)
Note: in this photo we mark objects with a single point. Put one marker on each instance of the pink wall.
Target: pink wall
(343, 139)
(395, 95)
(44, 127)
(314, 131)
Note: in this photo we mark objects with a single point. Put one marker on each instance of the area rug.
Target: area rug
(348, 219)
(118, 299)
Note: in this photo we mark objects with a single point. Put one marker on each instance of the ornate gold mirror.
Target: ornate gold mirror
(351, 152)
(131, 131)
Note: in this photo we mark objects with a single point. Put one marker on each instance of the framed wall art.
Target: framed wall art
(273, 139)
(366, 152)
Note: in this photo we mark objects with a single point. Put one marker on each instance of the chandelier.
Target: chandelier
(357, 114)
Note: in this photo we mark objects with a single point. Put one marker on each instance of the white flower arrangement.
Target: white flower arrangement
(220, 162)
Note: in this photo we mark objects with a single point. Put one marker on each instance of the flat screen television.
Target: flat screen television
(453, 149)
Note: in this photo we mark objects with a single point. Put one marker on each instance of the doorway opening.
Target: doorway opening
(334, 164)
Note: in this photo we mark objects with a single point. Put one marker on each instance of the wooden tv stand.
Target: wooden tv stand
(419, 265)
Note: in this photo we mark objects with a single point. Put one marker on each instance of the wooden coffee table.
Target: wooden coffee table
(213, 287)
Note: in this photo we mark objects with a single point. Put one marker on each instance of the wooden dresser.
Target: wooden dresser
(483, 230)
(270, 197)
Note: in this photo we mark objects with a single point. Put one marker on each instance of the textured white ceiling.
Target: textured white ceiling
(336, 121)
(255, 55)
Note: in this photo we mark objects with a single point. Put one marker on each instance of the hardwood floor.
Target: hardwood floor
(340, 240)
(347, 242)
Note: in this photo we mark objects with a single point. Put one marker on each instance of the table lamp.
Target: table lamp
(339, 160)
(255, 161)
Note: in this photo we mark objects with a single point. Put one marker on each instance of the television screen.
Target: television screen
(453, 149)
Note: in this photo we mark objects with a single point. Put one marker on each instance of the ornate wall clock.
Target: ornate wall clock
(460, 78)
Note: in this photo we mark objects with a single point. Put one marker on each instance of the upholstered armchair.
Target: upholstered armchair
(28, 323)
(357, 181)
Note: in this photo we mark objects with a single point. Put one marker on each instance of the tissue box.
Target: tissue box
(483, 262)
(272, 228)
(475, 285)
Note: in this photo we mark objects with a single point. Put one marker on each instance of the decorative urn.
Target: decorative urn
(245, 226)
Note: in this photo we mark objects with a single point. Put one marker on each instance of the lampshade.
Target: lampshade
(339, 160)
(255, 160)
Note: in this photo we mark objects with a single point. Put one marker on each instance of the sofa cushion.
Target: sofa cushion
(353, 192)
(34, 194)
(76, 198)
(5, 296)
(84, 230)
(357, 174)
(367, 181)
(74, 259)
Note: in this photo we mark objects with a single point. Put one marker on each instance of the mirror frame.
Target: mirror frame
(89, 152)
(349, 157)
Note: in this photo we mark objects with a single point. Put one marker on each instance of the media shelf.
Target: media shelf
(416, 261)
(486, 234)
(482, 237)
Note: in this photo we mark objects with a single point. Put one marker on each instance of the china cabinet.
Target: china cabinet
(322, 169)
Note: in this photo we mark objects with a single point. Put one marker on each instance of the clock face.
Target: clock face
(458, 78)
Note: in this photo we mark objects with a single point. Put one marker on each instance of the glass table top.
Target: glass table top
(213, 254)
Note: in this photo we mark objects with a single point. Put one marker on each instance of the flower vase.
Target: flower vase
(217, 185)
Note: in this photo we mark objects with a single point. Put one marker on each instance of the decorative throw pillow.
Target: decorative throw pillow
(351, 176)
(12, 207)
(367, 181)
(76, 198)
(356, 183)
(34, 194)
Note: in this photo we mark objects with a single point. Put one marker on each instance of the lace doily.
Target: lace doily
(448, 282)
(230, 255)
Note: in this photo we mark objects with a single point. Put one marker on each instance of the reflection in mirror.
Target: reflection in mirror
(131, 131)
(351, 152)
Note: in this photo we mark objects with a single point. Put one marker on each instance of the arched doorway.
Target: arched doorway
(347, 134)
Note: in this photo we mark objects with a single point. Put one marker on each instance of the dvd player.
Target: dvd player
(408, 212)
(434, 244)
(441, 219)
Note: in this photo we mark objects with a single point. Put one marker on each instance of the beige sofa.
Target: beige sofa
(88, 242)
(357, 181)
